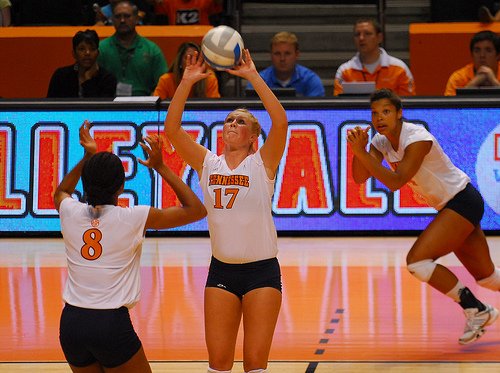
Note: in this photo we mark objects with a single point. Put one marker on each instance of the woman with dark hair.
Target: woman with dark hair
(205, 88)
(416, 159)
(85, 78)
(103, 247)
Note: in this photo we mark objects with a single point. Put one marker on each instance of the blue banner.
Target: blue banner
(314, 192)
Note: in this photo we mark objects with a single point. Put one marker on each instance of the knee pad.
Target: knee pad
(210, 370)
(491, 282)
(422, 270)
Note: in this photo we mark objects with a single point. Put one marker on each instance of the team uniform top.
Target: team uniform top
(103, 254)
(391, 73)
(239, 209)
(437, 180)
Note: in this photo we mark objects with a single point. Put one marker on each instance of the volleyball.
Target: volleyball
(222, 47)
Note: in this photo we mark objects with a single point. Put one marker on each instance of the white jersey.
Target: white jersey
(103, 253)
(438, 180)
(239, 203)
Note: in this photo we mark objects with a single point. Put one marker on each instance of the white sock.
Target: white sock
(210, 370)
(491, 282)
(455, 292)
(257, 371)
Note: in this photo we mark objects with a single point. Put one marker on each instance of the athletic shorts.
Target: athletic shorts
(239, 279)
(468, 203)
(90, 335)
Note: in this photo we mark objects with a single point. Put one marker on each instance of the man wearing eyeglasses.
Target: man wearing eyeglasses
(136, 62)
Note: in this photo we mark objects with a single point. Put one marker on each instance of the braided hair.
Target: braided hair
(102, 176)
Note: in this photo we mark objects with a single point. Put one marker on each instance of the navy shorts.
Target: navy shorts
(239, 279)
(468, 203)
(90, 335)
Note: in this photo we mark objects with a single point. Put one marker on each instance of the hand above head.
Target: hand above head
(86, 140)
(195, 69)
(153, 150)
(246, 69)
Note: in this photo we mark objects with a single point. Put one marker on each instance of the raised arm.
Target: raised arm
(191, 208)
(192, 152)
(68, 183)
(273, 148)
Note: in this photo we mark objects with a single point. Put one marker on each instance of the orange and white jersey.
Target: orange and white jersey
(239, 207)
(391, 73)
(103, 250)
(461, 77)
(437, 180)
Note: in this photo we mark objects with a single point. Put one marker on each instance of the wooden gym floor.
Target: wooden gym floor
(349, 305)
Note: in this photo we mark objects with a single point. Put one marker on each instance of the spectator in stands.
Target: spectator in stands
(483, 70)
(136, 61)
(372, 63)
(463, 10)
(186, 12)
(5, 16)
(104, 14)
(205, 88)
(85, 78)
(489, 11)
(285, 72)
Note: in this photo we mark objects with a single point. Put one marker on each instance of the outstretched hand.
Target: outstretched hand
(153, 150)
(245, 68)
(357, 138)
(195, 68)
(86, 140)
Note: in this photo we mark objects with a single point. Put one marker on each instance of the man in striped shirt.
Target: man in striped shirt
(373, 64)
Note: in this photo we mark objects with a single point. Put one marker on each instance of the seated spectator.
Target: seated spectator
(85, 78)
(136, 61)
(205, 88)
(372, 63)
(104, 14)
(490, 12)
(484, 70)
(285, 72)
(5, 16)
(186, 12)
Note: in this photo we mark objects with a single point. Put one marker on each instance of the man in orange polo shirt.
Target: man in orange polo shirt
(483, 71)
(373, 64)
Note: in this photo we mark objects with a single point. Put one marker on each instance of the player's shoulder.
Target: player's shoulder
(414, 132)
